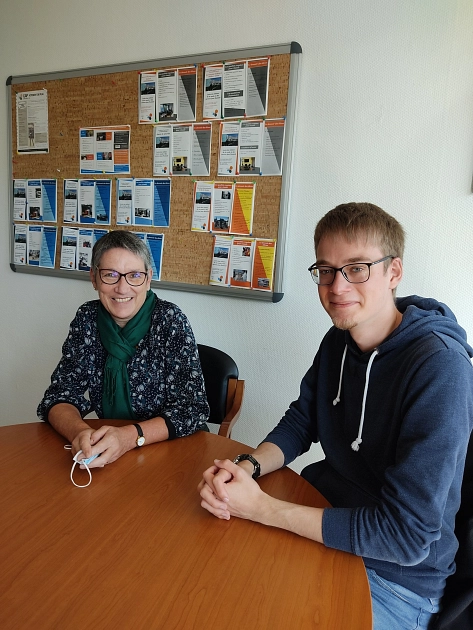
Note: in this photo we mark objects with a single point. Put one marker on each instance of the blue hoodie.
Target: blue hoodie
(394, 424)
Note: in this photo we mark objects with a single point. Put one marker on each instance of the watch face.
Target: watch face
(140, 441)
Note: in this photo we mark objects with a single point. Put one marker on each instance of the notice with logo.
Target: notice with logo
(20, 244)
(257, 87)
(147, 97)
(155, 243)
(125, 190)
(104, 150)
(243, 207)
(220, 260)
(181, 150)
(187, 93)
(273, 146)
(167, 96)
(249, 147)
(71, 198)
(162, 150)
(234, 89)
(19, 199)
(32, 132)
(212, 99)
(202, 206)
(228, 148)
(241, 263)
(263, 264)
(222, 207)
(69, 248)
(201, 149)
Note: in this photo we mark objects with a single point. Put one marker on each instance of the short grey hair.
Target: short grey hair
(121, 239)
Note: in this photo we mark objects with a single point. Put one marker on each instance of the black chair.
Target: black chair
(456, 611)
(224, 388)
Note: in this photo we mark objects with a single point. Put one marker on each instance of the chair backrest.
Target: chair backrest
(217, 368)
(457, 603)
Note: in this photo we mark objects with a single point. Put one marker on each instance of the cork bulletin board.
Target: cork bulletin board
(108, 96)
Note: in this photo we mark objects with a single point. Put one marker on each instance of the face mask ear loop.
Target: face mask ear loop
(86, 467)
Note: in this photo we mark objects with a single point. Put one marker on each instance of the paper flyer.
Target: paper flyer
(147, 97)
(161, 202)
(241, 263)
(32, 131)
(84, 249)
(48, 246)
(143, 202)
(71, 198)
(162, 150)
(34, 203)
(273, 146)
(20, 244)
(69, 248)
(181, 149)
(220, 260)
(243, 207)
(86, 201)
(234, 89)
(166, 104)
(202, 206)
(19, 199)
(201, 149)
(263, 264)
(155, 243)
(186, 93)
(228, 148)
(103, 200)
(49, 199)
(95, 200)
(257, 87)
(212, 99)
(35, 238)
(105, 150)
(125, 190)
(222, 203)
(250, 140)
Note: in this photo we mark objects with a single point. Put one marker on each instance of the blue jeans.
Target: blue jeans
(397, 608)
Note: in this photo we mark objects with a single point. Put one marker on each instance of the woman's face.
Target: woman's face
(121, 300)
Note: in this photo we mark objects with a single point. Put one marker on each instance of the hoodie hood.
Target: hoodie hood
(420, 316)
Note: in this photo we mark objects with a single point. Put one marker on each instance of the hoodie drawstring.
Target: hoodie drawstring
(356, 444)
(337, 399)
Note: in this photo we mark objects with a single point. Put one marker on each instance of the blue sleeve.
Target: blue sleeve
(70, 380)
(297, 429)
(185, 408)
(421, 491)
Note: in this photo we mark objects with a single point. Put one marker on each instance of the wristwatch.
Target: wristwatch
(140, 440)
(250, 458)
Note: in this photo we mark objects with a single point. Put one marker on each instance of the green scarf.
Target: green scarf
(120, 344)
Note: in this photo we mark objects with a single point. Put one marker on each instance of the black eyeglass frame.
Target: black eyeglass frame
(123, 275)
(341, 270)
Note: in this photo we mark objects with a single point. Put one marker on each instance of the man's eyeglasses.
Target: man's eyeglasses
(134, 278)
(356, 272)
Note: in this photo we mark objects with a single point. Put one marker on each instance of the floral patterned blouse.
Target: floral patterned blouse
(165, 374)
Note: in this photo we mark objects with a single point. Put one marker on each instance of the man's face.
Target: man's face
(366, 309)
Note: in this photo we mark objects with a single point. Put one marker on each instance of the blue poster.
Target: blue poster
(162, 202)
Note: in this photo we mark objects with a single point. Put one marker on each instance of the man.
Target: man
(390, 398)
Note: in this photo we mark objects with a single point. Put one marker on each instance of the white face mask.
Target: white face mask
(84, 462)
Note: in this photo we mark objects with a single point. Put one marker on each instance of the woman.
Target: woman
(133, 353)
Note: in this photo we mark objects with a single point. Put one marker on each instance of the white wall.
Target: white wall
(385, 115)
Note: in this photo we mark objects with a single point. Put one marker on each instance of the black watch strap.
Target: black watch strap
(141, 438)
(250, 458)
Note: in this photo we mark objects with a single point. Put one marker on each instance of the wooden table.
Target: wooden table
(135, 550)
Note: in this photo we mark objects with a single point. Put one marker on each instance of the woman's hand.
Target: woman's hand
(109, 442)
